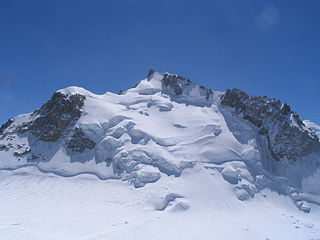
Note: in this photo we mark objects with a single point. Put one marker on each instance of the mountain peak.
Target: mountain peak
(162, 126)
(177, 87)
(72, 90)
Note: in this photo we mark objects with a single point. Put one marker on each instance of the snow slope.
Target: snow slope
(46, 206)
(165, 159)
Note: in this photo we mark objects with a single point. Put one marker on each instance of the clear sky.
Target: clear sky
(263, 47)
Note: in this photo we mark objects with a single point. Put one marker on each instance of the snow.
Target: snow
(197, 205)
(314, 127)
(163, 167)
(75, 90)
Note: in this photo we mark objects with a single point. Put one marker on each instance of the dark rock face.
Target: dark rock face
(150, 74)
(53, 121)
(78, 142)
(55, 116)
(174, 81)
(293, 143)
(5, 125)
(178, 83)
(181, 90)
(286, 134)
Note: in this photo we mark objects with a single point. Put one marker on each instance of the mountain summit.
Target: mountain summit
(163, 126)
(164, 154)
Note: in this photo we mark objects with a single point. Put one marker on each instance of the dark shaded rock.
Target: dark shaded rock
(172, 81)
(78, 142)
(183, 90)
(285, 109)
(286, 134)
(5, 125)
(150, 74)
(4, 147)
(18, 154)
(55, 116)
(209, 92)
(293, 142)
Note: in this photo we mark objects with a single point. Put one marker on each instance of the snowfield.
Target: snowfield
(163, 160)
(46, 206)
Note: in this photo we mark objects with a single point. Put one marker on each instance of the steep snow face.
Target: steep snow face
(162, 127)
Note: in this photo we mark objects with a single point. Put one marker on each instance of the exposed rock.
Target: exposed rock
(55, 116)
(183, 90)
(78, 142)
(4, 147)
(150, 74)
(5, 125)
(286, 134)
(22, 152)
(174, 81)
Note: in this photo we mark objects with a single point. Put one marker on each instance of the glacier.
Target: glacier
(165, 159)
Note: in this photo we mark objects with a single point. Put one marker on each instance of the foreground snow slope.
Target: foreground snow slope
(167, 158)
(45, 207)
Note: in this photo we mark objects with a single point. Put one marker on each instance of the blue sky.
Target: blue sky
(263, 47)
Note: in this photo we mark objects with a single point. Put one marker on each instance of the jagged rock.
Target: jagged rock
(78, 142)
(5, 125)
(286, 134)
(55, 116)
(183, 90)
(173, 80)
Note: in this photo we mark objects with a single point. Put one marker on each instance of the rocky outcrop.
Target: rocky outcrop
(175, 82)
(53, 118)
(286, 134)
(53, 121)
(183, 90)
(78, 142)
(180, 85)
(5, 125)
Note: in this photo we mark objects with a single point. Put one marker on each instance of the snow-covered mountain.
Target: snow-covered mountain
(174, 147)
